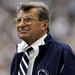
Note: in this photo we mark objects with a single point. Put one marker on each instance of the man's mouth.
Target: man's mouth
(24, 29)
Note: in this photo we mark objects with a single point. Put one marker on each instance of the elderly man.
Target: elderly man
(39, 53)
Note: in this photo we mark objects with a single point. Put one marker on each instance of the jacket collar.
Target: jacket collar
(43, 48)
(48, 39)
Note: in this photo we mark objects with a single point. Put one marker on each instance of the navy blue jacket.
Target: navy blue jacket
(54, 58)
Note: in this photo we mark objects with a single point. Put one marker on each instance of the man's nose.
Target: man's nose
(22, 23)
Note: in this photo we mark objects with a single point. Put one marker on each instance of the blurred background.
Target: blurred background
(62, 27)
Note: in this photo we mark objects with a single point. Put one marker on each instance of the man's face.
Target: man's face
(29, 31)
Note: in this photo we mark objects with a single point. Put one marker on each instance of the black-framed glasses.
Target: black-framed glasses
(26, 20)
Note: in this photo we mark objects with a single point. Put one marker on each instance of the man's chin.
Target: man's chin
(23, 37)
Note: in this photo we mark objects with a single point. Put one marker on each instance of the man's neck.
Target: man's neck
(31, 41)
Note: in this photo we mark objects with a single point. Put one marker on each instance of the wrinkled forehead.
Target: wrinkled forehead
(32, 12)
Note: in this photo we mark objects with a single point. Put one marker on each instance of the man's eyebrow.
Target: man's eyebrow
(26, 16)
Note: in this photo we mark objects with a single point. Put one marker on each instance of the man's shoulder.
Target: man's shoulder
(56, 44)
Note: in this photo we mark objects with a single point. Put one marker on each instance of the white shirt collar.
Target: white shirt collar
(35, 45)
(39, 42)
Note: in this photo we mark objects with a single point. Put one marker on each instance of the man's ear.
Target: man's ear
(45, 25)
